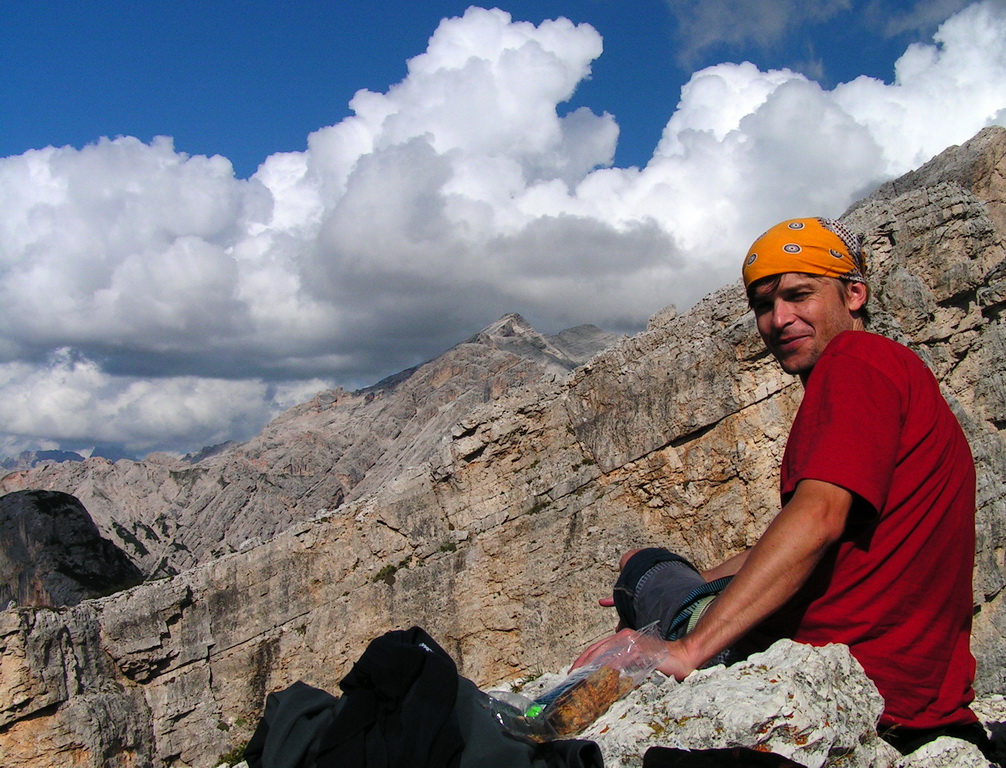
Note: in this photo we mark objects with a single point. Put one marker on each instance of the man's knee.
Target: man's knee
(651, 585)
(626, 557)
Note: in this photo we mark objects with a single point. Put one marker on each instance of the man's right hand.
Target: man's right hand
(675, 663)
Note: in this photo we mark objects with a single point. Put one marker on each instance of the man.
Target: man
(874, 544)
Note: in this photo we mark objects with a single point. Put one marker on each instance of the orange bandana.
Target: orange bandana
(812, 246)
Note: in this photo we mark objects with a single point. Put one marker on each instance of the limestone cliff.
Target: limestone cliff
(500, 535)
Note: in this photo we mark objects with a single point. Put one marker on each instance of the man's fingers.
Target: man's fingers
(593, 651)
(600, 647)
(606, 602)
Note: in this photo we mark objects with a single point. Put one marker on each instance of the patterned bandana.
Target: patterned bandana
(812, 246)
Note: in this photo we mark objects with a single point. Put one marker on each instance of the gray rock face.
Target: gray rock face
(496, 522)
(813, 705)
(51, 553)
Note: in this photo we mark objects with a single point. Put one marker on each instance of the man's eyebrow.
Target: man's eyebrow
(801, 286)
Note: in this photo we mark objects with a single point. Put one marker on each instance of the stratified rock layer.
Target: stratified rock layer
(500, 534)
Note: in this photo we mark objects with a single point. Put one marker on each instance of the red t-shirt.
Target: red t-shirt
(897, 587)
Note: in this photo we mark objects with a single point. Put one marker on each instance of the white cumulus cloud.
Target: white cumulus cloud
(74, 404)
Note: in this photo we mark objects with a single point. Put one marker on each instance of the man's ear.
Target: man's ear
(856, 295)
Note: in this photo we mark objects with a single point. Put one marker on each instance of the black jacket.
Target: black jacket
(403, 704)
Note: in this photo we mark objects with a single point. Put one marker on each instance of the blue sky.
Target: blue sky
(247, 79)
(209, 212)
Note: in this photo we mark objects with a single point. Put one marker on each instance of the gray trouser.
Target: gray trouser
(652, 587)
(657, 585)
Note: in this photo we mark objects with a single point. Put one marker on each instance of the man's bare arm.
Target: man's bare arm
(774, 569)
(771, 573)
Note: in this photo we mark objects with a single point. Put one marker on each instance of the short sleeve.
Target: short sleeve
(847, 430)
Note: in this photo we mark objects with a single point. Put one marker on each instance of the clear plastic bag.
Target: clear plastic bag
(585, 694)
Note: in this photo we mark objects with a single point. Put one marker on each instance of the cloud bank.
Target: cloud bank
(153, 299)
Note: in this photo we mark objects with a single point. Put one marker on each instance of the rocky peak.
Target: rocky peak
(30, 459)
(976, 166)
(559, 354)
(508, 326)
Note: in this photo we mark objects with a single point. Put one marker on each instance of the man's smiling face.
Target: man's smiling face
(798, 315)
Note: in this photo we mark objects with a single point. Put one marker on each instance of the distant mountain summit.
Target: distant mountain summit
(560, 353)
(30, 459)
(169, 514)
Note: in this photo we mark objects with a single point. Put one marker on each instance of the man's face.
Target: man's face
(800, 314)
